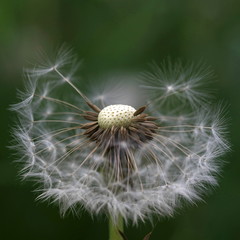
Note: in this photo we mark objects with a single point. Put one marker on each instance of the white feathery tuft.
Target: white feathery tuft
(172, 83)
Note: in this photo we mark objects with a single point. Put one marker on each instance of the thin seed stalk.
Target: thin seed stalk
(115, 228)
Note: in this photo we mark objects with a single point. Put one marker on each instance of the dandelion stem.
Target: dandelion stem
(114, 229)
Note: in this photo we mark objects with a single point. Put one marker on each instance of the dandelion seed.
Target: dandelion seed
(117, 159)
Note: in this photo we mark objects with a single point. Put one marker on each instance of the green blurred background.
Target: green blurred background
(120, 35)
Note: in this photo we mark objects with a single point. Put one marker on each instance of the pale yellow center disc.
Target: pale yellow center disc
(116, 115)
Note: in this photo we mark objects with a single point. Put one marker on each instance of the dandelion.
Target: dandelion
(128, 162)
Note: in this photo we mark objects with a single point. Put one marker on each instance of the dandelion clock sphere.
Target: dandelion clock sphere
(128, 161)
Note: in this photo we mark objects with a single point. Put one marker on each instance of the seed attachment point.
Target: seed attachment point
(116, 115)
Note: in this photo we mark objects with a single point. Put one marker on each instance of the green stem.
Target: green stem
(113, 229)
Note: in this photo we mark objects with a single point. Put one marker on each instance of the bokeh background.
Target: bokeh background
(120, 35)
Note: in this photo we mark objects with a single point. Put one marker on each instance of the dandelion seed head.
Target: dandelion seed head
(108, 157)
(117, 115)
